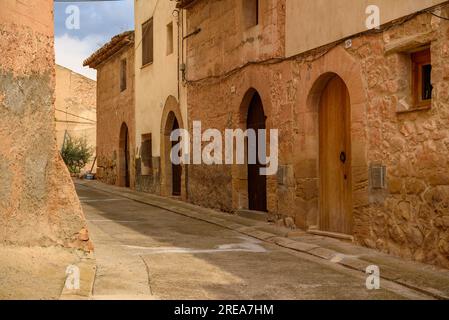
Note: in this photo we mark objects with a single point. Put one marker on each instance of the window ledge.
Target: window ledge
(146, 65)
(415, 109)
(410, 43)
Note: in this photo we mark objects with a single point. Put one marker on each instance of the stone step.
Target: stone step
(254, 215)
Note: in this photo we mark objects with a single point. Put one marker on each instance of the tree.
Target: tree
(76, 153)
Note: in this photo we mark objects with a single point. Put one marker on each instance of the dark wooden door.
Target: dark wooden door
(176, 169)
(335, 158)
(127, 159)
(257, 184)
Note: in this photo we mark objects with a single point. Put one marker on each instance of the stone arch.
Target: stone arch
(170, 116)
(124, 165)
(240, 183)
(337, 63)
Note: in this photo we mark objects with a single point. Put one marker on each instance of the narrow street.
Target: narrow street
(144, 252)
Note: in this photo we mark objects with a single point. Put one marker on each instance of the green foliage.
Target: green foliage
(76, 153)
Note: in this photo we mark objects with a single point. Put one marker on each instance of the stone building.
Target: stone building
(114, 63)
(75, 109)
(160, 96)
(363, 115)
(38, 203)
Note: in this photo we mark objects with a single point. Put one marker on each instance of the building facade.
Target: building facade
(38, 203)
(114, 63)
(160, 96)
(75, 109)
(362, 116)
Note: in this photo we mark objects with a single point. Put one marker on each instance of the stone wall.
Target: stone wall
(113, 109)
(150, 183)
(410, 218)
(223, 45)
(38, 203)
(407, 218)
(75, 104)
(225, 41)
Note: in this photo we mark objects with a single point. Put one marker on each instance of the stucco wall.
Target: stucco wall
(75, 108)
(310, 24)
(409, 217)
(38, 203)
(159, 80)
(156, 84)
(114, 107)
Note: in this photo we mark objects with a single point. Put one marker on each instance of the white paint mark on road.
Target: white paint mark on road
(115, 221)
(250, 245)
(340, 257)
(102, 200)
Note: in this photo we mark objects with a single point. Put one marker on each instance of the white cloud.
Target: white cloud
(72, 51)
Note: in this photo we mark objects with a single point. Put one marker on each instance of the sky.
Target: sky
(99, 21)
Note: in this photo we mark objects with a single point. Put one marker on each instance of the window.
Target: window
(123, 65)
(146, 154)
(250, 13)
(147, 42)
(170, 38)
(422, 82)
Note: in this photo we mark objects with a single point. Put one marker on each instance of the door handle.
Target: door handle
(343, 157)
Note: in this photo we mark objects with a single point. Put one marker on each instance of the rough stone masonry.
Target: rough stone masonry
(409, 217)
(38, 204)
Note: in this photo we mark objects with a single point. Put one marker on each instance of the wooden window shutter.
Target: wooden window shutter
(147, 42)
(123, 67)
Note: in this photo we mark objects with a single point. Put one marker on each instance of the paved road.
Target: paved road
(145, 252)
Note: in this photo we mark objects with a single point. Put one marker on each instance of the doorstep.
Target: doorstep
(251, 214)
(329, 234)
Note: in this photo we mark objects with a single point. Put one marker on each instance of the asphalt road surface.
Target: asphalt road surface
(144, 252)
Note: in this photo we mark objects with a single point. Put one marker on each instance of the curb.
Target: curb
(266, 233)
(88, 269)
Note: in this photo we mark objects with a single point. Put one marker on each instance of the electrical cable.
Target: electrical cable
(74, 115)
(320, 51)
(144, 33)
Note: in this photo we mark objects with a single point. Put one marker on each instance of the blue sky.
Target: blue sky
(99, 22)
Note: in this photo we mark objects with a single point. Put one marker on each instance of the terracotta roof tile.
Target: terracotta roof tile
(109, 49)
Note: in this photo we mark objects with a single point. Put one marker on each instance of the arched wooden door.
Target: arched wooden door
(257, 184)
(124, 160)
(335, 158)
(176, 169)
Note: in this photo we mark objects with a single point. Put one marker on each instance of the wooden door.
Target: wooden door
(335, 158)
(176, 169)
(124, 158)
(127, 159)
(257, 184)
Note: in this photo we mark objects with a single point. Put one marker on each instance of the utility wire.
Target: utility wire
(74, 115)
(75, 122)
(317, 53)
(435, 15)
(144, 33)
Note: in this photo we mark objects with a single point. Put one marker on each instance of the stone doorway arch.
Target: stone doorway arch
(250, 189)
(337, 64)
(172, 176)
(124, 158)
(335, 158)
(257, 184)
